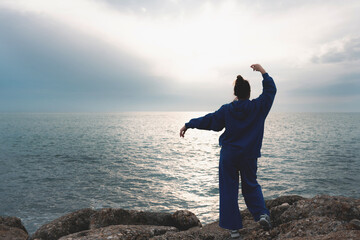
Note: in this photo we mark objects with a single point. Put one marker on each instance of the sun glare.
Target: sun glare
(184, 46)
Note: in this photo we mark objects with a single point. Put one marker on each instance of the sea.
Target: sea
(52, 164)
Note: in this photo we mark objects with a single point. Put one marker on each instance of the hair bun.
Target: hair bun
(239, 77)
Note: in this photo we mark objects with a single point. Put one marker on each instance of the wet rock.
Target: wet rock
(12, 233)
(120, 232)
(71, 223)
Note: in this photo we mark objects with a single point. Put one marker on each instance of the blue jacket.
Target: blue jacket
(243, 121)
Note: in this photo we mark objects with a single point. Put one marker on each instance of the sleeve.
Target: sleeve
(266, 98)
(213, 121)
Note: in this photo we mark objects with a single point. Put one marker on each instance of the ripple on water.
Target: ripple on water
(53, 164)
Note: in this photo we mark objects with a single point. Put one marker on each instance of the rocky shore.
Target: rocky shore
(293, 217)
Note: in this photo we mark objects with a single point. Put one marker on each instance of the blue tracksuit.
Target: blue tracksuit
(241, 142)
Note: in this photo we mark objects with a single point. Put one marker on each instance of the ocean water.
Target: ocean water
(53, 164)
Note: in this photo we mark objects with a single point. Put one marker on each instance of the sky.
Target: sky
(176, 55)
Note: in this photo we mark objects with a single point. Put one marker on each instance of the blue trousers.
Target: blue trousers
(229, 168)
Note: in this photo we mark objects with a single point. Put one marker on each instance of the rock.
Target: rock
(246, 215)
(355, 224)
(294, 217)
(339, 235)
(12, 228)
(71, 223)
(340, 208)
(309, 227)
(209, 232)
(109, 216)
(88, 219)
(290, 199)
(276, 212)
(12, 233)
(119, 232)
(12, 222)
(112, 216)
(184, 220)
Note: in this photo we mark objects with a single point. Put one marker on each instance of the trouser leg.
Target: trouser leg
(230, 217)
(251, 190)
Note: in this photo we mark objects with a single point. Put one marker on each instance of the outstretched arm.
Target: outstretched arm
(182, 131)
(212, 121)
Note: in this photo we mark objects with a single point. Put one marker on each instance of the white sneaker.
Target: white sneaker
(265, 222)
(235, 234)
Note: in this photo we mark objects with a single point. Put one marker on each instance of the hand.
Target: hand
(258, 67)
(182, 131)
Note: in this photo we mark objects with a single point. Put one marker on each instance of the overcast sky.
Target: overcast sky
(176, 55)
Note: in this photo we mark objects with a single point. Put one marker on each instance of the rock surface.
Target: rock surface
(117, 232)
(293, 217)
(11, 228)
(87, 219)
(12, 222)
(182, 219)
(71, 223)
(12, 233)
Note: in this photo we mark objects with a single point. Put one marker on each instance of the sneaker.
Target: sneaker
(235, 235)
(265, 222)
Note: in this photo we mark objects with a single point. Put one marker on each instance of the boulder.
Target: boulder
(110, 216)
(276, 213)
(308, 227)
(88, 219)
(70, 223)
(117, 216)
(355, 224)
(12, 222)
(184, 220)
(289, 199)
(210, 231)
(340, 208)
(11, 228)
(12, 233)
(293, 217)
(120, 232)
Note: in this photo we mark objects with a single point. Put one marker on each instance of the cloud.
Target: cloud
(174, 55)
(343, 50)
(44, 64)
(344, 86)
(186, 41)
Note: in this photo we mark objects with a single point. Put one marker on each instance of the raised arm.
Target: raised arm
(258, 67)
(267, 96)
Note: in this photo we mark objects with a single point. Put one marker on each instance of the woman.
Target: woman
(243, 120)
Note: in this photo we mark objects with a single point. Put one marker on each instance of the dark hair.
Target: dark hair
(241, 88)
